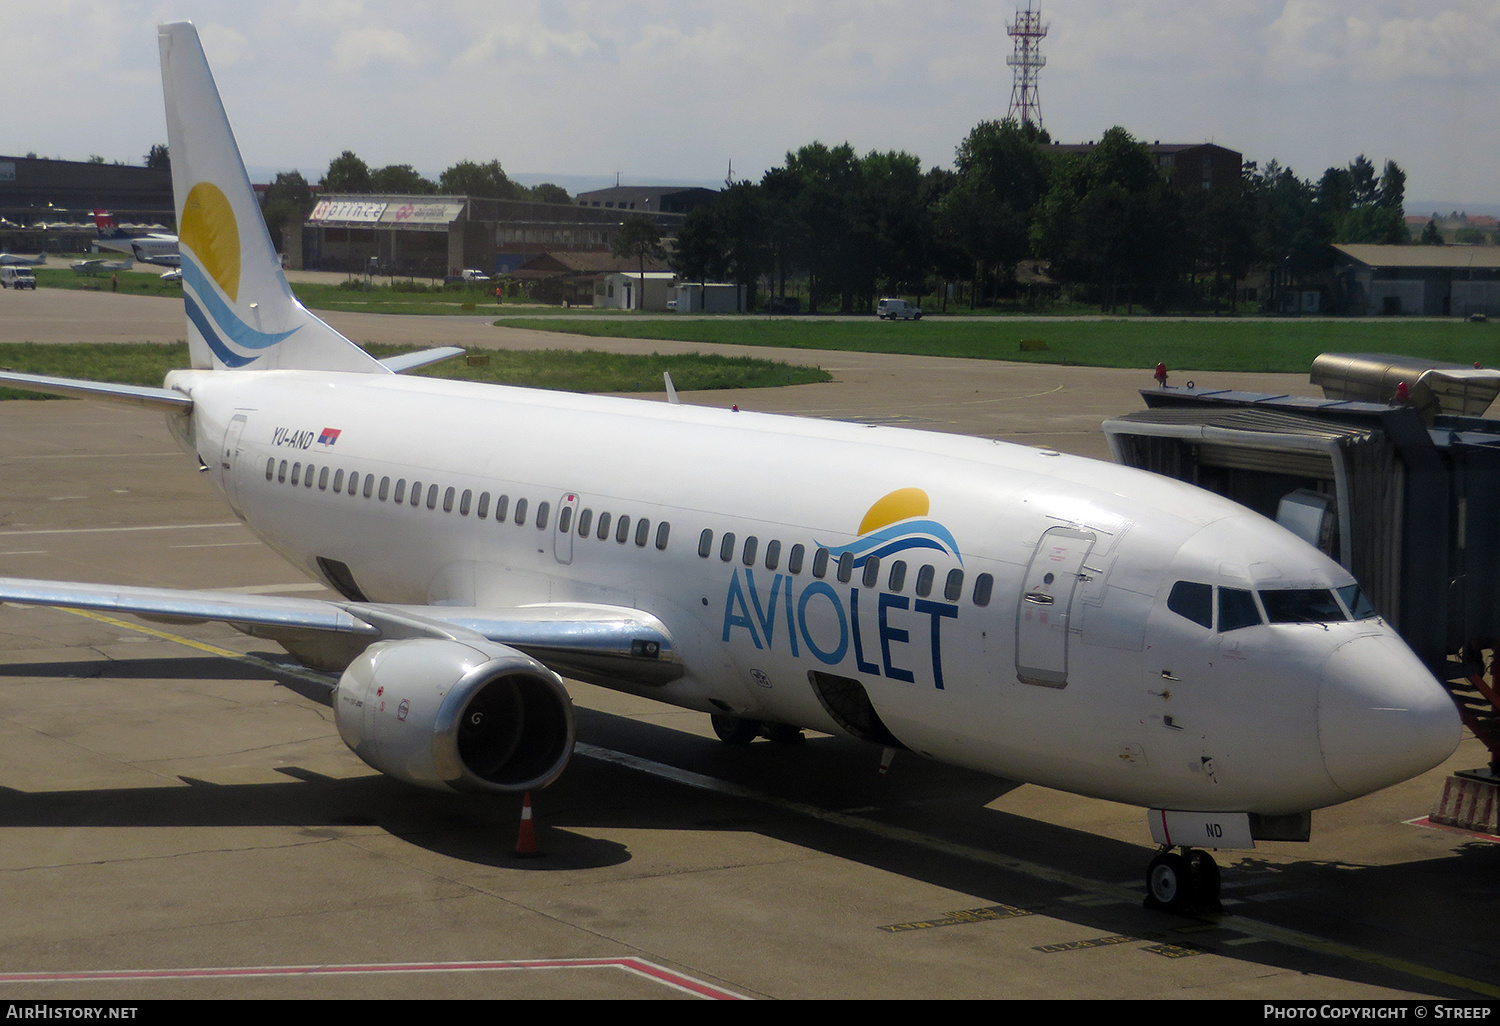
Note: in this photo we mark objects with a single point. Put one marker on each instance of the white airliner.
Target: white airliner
(14, 260)
(1041, 617)
(153, 248)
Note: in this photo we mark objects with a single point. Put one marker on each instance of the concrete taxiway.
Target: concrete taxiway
(180, 819)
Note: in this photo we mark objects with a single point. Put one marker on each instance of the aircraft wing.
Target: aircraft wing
(609, 645)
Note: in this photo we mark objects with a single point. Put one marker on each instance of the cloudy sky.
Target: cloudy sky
(676, 89)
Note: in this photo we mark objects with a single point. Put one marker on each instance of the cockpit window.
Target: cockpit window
(1359, 606)
(1237, 609)
(1194, 601)
(1302, 605)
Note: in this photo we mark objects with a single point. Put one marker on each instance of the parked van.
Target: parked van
(898, 309)
(17, 278)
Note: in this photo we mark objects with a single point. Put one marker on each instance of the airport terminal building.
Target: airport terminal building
(48, 205)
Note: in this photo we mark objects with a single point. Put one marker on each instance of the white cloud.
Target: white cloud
(357, 48)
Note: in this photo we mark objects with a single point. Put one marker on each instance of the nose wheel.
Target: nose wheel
(1185, 881)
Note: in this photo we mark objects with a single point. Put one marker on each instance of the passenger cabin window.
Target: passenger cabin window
(898, 575)
(604, 519)
(501, 505)
(773, 555)
(953, 589)
(751, 546)
(564, 519)
(846, 567)
(726, 547)
(642, 532)
(585, 522)
(820, 563)
(483, 509)
(663, 530)
(543, 512)
(622, 530)
(984, 587)
(924, 580)
(794, 560)
(1194, 602)
(705, 543)
(872, 572)
(520, 512)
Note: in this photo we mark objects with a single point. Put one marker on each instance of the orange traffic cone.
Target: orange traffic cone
(526, 840)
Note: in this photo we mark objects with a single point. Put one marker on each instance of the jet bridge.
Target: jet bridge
(1395, 473)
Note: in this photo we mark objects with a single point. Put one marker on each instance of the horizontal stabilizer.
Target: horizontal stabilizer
(412, 361)
(138, 395)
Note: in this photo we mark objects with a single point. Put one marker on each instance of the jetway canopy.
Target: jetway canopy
(1258, 456)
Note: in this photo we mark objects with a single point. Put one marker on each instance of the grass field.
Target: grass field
(1200, 345)
(590, 371)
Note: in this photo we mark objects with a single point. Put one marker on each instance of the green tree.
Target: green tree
(400, 179)
(158, 159)
(639, 238)
(287, 199)
(469, 178)
(546, 192)
(1111, 219)
(346, 173)
(1431, 234)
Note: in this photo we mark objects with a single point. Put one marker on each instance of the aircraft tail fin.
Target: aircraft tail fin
(106, 226)
(241, 312)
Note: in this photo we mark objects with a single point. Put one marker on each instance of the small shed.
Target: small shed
(621, 290)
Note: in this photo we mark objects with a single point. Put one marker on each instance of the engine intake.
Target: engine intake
(456, 716)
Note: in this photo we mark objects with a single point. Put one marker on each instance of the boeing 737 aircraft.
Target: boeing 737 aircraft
(1037, 616)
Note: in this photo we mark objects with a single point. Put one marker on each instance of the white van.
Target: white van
(17, 278)
(898, 309)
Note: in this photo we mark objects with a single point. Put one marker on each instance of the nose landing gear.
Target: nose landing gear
(1185, 881)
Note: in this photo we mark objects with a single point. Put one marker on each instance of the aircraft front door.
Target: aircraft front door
(1046, 606)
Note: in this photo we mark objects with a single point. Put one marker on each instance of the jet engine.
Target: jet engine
(456, 715)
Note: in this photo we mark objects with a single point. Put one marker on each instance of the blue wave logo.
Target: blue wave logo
(234, 342)
(899, 522)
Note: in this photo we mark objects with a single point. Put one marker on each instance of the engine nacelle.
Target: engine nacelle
(456, 716)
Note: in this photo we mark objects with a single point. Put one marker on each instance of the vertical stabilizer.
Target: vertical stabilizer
(241, 313)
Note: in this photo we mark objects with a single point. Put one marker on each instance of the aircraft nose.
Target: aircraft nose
(1382, 718)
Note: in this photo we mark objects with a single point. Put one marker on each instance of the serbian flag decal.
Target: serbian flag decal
(329, 436)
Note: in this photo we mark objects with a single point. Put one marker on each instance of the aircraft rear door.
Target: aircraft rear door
(1046, 606)
(229, 457)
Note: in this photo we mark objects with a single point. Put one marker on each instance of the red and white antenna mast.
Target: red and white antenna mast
(1028, 32)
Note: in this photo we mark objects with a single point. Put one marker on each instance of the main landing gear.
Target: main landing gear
(1185, 881)
(737, 730)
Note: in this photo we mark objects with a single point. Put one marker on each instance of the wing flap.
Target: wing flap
(613, 646)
